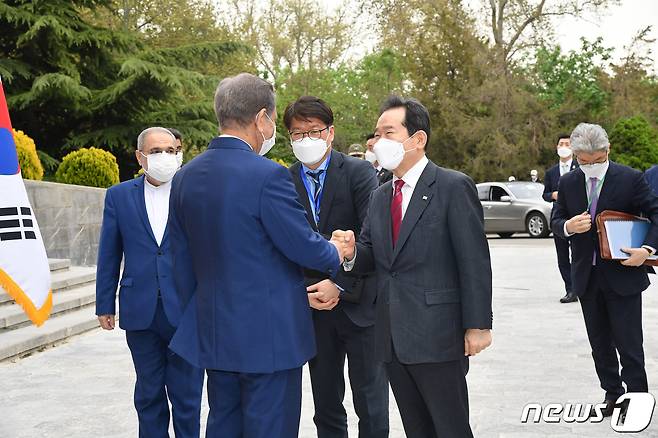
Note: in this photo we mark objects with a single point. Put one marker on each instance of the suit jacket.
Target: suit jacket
(624, 189)
(348, 184)
(126, 234)
(436, 281)
(240, 239)
(384, 176)
(651, 175)
(552, 178)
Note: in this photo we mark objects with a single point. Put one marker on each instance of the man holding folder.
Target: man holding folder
(609, 290)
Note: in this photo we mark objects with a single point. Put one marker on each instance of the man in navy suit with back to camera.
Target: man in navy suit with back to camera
(551, 180)
(610, 291)
(135, 229)
(240, 241)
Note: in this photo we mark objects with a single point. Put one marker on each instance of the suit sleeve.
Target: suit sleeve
(110, 254)
(184, 278)
(363, 183)
(466, 226)
(548, 186)
(559, 215)
(284, 220)
(647, 202)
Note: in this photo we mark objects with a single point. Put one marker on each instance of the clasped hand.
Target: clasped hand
(345, 243)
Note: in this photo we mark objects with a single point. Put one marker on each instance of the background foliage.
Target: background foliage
(83, 73)
(28, 159)
(89, 167)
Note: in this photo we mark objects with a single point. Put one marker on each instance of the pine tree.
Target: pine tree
(71, 83)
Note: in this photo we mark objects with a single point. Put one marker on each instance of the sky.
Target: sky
(618, 25)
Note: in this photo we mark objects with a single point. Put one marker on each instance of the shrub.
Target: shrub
(634, 142)
(89, 167)
(28, 159)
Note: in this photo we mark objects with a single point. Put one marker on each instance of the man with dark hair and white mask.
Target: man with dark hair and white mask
(334, 188)
(135, 229)
(551, 179)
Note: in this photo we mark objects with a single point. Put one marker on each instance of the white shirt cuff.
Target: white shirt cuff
(348, 265)
(651, 249)
(566, 233)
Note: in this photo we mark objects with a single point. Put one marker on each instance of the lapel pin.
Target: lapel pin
(424, 198)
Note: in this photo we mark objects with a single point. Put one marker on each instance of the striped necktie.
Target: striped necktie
(317, 189)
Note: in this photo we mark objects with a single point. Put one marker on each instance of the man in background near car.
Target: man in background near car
(551, 179)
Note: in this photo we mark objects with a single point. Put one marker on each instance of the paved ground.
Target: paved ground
(83, 388)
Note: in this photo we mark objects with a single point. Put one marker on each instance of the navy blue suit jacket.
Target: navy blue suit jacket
(126, 234)
(346, 194)
(624, 189)
(240, 240)
(552, 178)
(651, 175)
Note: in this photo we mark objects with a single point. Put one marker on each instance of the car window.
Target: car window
(497, 193)
(527, 190)
(483, 192)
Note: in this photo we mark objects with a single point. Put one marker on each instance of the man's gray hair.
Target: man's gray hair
(588, 138)
(239, 98)
(141, 138)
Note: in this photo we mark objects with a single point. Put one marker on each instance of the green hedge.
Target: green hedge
(89, 167)
(28, 159)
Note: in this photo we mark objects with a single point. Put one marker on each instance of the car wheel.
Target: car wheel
(536, 225)
(505, 235)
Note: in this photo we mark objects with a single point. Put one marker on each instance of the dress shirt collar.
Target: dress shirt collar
(567, 163)
(413, 175)
(150, 186)
(241, 139)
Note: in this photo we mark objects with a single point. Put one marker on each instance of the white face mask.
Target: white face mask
(564, 152)
(179, 159)
(390, 153)
(161, 166)
(370, 157)
(309, 151)
(268, 143)
(596, 170)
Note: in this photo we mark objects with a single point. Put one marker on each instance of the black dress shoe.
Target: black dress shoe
(606, 411)
(569, 298)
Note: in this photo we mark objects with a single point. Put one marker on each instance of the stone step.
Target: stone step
(61, 280)
(12, 315)
(24, 340)
(59, 264)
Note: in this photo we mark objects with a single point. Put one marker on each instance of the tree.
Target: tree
(634, 142)
(72, 84)
(291, 34)
(517, 25)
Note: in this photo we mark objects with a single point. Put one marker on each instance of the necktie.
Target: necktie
(317, 189)
(594, 200)
(565, 169)
(396, 210)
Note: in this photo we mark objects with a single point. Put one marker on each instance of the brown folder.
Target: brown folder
(611, 215)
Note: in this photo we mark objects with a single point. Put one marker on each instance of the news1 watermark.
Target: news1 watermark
(632, 413)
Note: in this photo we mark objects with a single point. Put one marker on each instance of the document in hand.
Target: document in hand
(621, 230)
